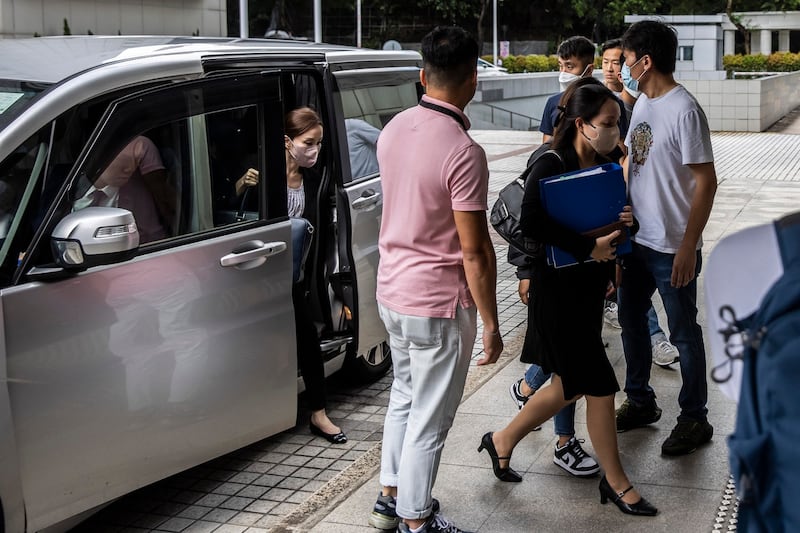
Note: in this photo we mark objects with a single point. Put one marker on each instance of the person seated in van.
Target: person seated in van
(362, 143)
(129, 182)
(303, 139)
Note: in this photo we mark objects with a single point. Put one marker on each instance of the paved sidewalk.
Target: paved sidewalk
(755, 172)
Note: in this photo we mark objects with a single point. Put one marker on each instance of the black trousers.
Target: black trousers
(309, 356)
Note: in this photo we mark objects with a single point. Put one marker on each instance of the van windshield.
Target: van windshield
(15, 96)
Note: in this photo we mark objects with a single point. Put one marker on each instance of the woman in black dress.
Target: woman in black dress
(565, 311)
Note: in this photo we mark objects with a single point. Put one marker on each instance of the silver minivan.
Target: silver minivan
(136, 343)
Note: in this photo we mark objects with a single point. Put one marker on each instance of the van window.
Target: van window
(21, 185)
(15, 96)
(180, 176)
(366, 111)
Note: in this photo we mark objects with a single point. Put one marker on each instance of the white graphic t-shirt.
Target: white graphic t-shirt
(666, 134)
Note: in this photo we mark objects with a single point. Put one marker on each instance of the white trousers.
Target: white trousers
(430, 358)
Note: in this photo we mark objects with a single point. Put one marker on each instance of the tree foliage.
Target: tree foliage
(453, 11)
(542, 20)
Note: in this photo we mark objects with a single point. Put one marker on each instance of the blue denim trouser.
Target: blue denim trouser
(646, 271)
(564, 420)
(652, 317)
(652, 322)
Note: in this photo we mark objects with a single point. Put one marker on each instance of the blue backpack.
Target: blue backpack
(765, 446)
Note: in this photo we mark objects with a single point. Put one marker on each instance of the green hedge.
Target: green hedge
(775, 62)
(529, 63)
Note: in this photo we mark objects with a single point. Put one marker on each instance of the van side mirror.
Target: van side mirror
(94, 236)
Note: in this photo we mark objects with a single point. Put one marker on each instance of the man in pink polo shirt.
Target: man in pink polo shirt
(437, 271)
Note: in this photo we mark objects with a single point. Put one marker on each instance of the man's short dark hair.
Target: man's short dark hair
(653, 38)
(610, 45)
(450, 55)
(578, 47)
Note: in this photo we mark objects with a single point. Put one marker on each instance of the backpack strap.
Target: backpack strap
(787, 230)
(560, 159)
(527, 172)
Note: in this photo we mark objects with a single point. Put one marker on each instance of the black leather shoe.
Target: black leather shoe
(640, 508)
(503, 474)
(333, 438)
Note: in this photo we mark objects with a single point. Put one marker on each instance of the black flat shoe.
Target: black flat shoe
(503, 474)
(640, 508)
(333, 438)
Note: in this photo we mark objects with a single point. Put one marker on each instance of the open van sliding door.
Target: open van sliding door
(367, 99)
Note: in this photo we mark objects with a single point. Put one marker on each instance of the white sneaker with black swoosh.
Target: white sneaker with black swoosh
(572, 458)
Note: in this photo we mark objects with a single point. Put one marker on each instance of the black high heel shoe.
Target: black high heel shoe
(333, 438)
(640, 508)
(503, 474)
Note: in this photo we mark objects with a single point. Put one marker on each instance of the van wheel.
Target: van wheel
(371, 366)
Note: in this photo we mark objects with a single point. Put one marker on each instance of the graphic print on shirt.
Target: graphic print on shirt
(641, 141)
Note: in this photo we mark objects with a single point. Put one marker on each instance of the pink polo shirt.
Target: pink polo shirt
(429, 167)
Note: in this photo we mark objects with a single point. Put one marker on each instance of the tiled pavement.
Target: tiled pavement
(293, 481)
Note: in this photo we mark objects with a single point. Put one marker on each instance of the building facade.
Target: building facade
(704, 39)
(28, 18)
(764, 27)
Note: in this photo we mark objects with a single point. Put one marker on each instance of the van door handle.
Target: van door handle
(367, 200)
(248, 253)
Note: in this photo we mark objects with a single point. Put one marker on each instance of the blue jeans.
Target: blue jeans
(652, 317)
(564, 420)
(652, 322)
(646, 271)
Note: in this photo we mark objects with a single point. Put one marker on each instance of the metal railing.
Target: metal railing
(738, 74)
(496, 113)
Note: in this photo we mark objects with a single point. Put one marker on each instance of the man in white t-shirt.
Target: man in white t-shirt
(664, 353)
(672, 183)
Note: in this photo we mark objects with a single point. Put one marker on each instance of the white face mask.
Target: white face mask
(565, 79)
(306, 156)
(606, 139)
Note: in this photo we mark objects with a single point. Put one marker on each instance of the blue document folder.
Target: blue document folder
(584, 200)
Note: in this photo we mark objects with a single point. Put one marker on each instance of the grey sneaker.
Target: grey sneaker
(436, 523)
(572, 458)
(610, 315)
(665, 353)
(384, 515)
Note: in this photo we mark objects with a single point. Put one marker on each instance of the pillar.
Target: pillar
(729, 43)
(766, 42)
(783, 41)
(755, 42)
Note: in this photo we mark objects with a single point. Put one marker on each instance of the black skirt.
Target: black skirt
(565, 322)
